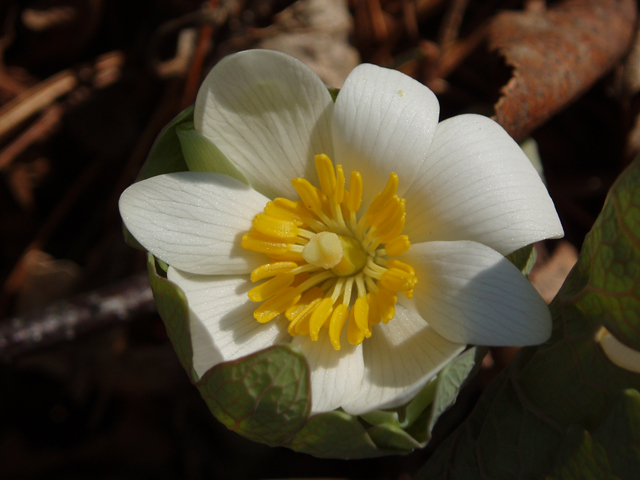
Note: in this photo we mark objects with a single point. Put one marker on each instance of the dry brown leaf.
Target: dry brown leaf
(317, 33)
(556, 55)
(47, 280)
(547, 277)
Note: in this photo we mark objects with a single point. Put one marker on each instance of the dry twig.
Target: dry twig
(68, 319)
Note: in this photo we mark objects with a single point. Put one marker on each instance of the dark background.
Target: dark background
(92, 389)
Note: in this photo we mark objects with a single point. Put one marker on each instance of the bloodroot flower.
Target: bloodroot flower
(361, 231)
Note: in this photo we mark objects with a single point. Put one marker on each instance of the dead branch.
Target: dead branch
(68, 319)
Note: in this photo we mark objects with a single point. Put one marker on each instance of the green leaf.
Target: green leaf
(264, 397)
(335, 435)
(610, 263)
(619, 433)
(611, 453)
(579, 457)
(174, 310)
(525, 424)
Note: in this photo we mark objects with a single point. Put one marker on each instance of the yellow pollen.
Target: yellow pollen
(329, 266)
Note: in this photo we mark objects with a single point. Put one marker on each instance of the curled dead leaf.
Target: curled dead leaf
(556, 55)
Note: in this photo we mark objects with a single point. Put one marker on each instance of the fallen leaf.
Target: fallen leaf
(47, 280)
(316, 32)
(547, 277)
(556, 55)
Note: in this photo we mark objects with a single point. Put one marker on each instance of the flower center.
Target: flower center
(330, 266)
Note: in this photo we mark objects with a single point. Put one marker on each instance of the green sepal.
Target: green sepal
(335, 435)
(393, 439)
(450, 380)
(166, 154)
(524, 258)
(530, 148)
(265, 397)
(202, 155)
(174, 310)
(130, 239)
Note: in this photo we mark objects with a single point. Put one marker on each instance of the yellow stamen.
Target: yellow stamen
(374, 310)
(283, 230)
(386, 303)
(338, 194)
(336, 324)
(397, 246)
(385, 212)
(296, 310)
(326, 174)
(354, 334)
(361, 315)
(393, 231)
(397, 280)
(355, 192)
(383, 198)
(271, 270)
(328, 266)
(269, 288)
(309, 194)
(288, 257)
(300, 324)
(277, 304)
(259, 242)
(405, 267)
(319, 317)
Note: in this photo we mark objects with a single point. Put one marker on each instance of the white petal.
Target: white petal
(399, 359)
(222, 324)
(620, 354)
(383, 121)
(270, 114)
(336, 375)
(470, 293)
(477, 184)
(194, 221)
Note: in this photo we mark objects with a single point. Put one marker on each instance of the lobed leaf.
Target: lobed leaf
(264, 396)
(610, 263)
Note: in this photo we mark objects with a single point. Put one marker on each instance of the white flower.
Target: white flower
(471, 195)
